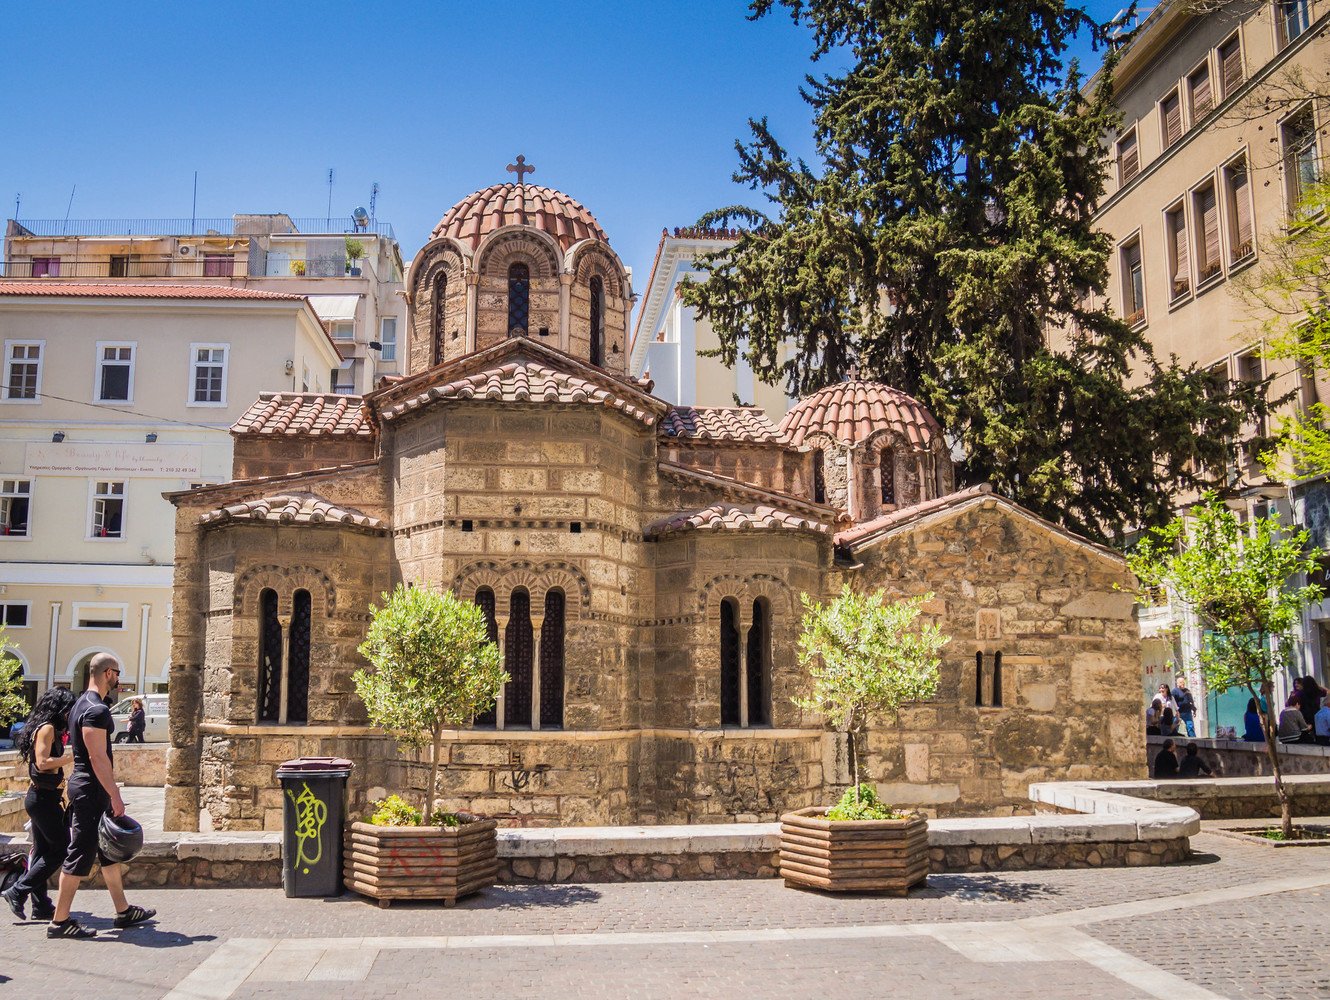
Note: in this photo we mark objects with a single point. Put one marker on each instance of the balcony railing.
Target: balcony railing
(194, 265)
(242, 226)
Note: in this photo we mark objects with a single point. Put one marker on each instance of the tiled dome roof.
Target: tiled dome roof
(851, 412)
(477, 215)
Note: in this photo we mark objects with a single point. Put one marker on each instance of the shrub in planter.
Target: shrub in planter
(434, 668)
(865, 655)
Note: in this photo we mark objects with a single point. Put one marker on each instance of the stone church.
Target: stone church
(640, 565)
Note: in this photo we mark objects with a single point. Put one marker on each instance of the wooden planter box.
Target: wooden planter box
(421, 862)
(888, 856)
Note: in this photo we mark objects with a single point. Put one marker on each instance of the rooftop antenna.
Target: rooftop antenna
(330, 186)
(65, 227)
(18, 196)
(373, 198)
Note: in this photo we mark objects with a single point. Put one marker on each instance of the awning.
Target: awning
(335, 308)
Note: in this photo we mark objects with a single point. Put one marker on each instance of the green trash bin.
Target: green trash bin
(313, 818)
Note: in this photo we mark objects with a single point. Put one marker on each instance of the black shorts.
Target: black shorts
(87, 805)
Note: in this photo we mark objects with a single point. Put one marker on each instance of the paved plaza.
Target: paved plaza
(1239, 921)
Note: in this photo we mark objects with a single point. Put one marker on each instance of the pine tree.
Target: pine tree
(945, 243)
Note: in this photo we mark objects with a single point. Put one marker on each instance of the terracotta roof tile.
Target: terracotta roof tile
(306, 414)
(154, 291)
(851, 412)
(521, 380)
(733, 517)
(477, 215)
(720, 423)
(904, 515)
(291, 508)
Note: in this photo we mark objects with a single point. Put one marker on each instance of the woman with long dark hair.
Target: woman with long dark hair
(42, 744)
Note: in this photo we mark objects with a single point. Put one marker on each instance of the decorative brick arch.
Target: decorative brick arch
(746, 588)
(444, 258)
(536, 578)
(519, 245)
(590, 258)
(285, 580)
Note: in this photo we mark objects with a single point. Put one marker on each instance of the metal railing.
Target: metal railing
(117, 267)
(242, 226)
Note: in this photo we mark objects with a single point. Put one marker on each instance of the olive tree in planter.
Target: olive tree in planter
(434, 669)
(866, 656)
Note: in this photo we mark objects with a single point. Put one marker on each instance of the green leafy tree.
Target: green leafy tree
(942, 240)
(434, 669)
(866, 655)
(12, 703)
(1288, 290)
(1241, 586)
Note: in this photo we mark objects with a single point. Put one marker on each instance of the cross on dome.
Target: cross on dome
(520, 168)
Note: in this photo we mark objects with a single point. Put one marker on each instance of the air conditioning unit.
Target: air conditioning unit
(185, 250)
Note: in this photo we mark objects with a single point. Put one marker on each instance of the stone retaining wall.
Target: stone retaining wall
(141, 765)
(1238, 759)
(1238, 798)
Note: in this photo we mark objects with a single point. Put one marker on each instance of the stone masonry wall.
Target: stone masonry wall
(1070, 664)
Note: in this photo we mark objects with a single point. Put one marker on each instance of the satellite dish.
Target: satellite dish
(360, 217)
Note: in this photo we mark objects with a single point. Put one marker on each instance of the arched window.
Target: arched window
(886, 473)
(819, 479)
(519, 299)
(440, 316)
(997, 680)
(729, 662)
(759, 665)
(551, 661)
(297, 689)
(597, 320)
(485, 598)
(517, 661)
(270, 659)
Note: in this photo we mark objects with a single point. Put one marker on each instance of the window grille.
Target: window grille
(551, 661)
(485, 600)
(270, 659)
(518, 656)
(597, 320)
(297, 682)
(729, 662)
(519, 300)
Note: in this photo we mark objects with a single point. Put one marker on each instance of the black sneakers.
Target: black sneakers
(70, 928)
(15, 900)
(133, 915)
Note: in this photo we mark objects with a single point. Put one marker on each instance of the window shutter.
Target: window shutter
(1208, 259)
(1201, 98)
(1181, 276)
(1129, 158)
(1230, 67)
(1172, 109)
(1242, 221)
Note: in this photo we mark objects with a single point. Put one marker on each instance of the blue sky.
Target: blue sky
(632, 108)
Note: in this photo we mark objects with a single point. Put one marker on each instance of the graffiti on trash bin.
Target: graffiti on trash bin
(311, 815)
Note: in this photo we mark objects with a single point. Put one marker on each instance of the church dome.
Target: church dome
(477, 215)
(852, 412)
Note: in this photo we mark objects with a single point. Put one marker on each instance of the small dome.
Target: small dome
(477, 215)
(852, 412)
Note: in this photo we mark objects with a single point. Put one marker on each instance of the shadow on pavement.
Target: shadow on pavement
(984, 889)
(499, 897)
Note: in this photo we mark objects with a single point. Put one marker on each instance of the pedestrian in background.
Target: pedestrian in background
(1293, 727)
(1192, 766)
(1186, 705)
(1321, 723)
(1309, 697)
(1253, 729)
(1166, 761)
(138, 722)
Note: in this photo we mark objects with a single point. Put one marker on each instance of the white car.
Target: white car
(154, 712)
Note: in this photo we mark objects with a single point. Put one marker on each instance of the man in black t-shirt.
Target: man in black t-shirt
(92, 793)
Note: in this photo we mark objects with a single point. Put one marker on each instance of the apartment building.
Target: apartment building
(669, 335)
(351, 270)
(1222, 133)
(111, 394)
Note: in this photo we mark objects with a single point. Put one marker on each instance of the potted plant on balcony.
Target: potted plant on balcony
(865, 656)
(355, 249)
(298, 268)
(434, 668)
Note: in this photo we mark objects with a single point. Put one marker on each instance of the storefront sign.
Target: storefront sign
(140, 461)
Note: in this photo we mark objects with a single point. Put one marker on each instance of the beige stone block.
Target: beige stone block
(1039, 697)
(1096, 676)
(916, 762)
(479, 754)
(911, 793)
(1100, 604)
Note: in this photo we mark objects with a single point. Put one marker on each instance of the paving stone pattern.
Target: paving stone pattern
(1002, 935)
